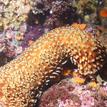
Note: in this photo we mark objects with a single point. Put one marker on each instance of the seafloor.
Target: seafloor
(24, 21)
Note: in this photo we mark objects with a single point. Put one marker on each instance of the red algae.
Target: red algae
(68, 94)
(103, 13)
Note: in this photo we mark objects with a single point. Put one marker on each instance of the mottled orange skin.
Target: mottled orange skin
(29, 70)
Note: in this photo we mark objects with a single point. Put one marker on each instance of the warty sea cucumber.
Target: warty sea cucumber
(22, 77)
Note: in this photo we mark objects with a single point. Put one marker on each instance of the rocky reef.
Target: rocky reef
(24, 21)
(68, 94)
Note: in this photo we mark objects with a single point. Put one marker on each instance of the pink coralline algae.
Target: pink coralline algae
(13, 42)
(32, 33)
(68, 94)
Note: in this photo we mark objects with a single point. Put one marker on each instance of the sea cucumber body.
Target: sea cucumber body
(22, 76)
